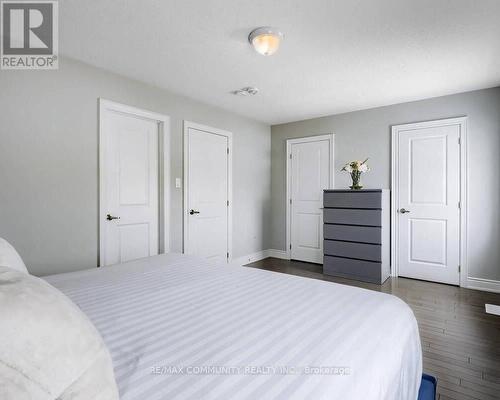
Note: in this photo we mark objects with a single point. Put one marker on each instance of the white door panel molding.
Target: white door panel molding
(207, 192)
(429, 201)
(133, 192)
(309, 171)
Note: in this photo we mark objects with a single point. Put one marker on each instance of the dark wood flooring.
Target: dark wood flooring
(460, 342)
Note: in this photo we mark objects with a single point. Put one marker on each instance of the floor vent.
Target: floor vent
(492, 309)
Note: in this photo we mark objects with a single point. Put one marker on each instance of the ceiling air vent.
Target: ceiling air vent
(246, 91)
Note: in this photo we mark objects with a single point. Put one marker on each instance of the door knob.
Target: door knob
(193, 212)
(404, 211)
(109, 217)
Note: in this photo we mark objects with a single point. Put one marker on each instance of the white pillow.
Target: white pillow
(49, 349)
(9, 257)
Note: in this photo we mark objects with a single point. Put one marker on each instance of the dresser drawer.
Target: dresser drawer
(353, 217)
(344, 267)
(366, 234)
(371, 252)
(353, 199)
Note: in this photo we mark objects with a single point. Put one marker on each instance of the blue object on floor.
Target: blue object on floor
(427, 389)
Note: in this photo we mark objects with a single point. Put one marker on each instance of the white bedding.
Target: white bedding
(172, 322)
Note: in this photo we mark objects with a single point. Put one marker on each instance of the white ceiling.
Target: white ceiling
(337, 55)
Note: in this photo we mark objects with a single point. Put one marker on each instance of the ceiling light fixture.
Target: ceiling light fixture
(246, 91)
(265, 40)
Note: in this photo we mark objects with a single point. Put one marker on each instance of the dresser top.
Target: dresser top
(355, 191)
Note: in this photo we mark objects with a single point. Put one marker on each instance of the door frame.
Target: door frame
(163, 121)
(229, 136)
(288, 169)
(463, 219)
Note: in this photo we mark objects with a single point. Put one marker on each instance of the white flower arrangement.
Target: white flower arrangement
(355, 169)
(356, 165)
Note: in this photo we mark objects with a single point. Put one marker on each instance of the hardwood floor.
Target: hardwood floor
(460, 342)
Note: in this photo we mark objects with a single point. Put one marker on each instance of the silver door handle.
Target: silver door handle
(403, 211)
(109, 217)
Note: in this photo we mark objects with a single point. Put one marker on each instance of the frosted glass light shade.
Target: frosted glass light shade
(265, 40)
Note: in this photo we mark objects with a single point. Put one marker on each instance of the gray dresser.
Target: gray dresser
(357, 234)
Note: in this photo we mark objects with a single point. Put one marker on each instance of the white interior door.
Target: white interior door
(129, 192)
(428, 209)
(207, 194)
(310, 172)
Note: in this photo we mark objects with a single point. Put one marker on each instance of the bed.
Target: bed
(179, 327)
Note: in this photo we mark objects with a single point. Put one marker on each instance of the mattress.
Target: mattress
(179, 327)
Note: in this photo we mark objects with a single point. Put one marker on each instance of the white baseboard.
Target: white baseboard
(260, 255)
(278, 254)
(250, 258)
(487, 285)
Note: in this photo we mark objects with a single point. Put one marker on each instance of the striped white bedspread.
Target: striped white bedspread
(178, 327)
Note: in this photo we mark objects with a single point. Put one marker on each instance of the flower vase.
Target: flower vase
(356, 180)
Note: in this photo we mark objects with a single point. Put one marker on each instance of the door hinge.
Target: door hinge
(290, 246)
(227, 255)
(227, 203)
(290, 156)
(459, 268)
(228, 150)
(459, 205)
(290, 201)
(459, 141)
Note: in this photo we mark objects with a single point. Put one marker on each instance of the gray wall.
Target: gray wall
(49, 176)
(367, 134)
(48, 163)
